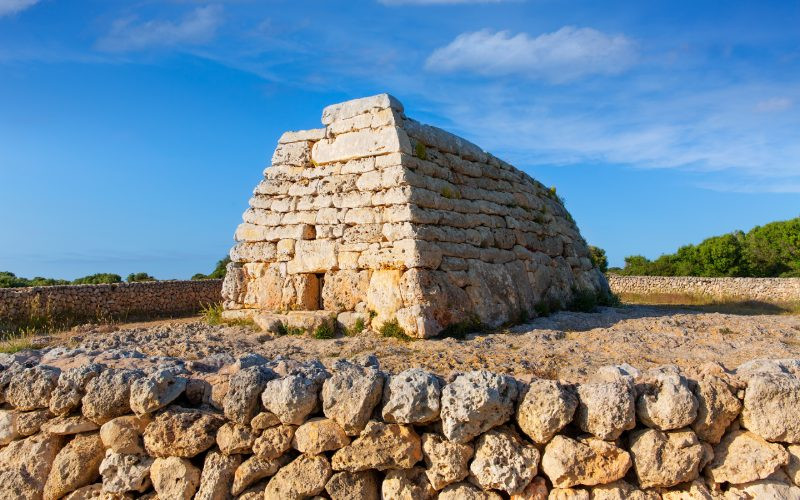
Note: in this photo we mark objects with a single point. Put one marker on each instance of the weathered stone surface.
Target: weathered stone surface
(465, 491)
(622, 490)
(30, 422)
(156, 391)
(605, 409)
(241, 402)
(264, 420)
(124, 434)
(696, 490)
(123, 473)
(217, 476)
(380, 446)
(305, 476)
(70, 389)
(664, 459)
(292, 398)
(446, 461)
(536, 490)
(793, 468)
(253, 470)
(274, 441)
(108, 395)
(776, 487)
(175, 478)
(503, 461)
(665, 401)
(64, 426)
(8, 427)
(742, 457)
(76, 465)
(31, 389)
(350, 395)
(25, 465)
(546, 409)
(475, 402)
(587, 461)
(411, 397)
(407, 484)
(319, 435)
(236, 438)
(346, 485)
(771, 407)
(181, 432)
(93, 491)
(569, 494)
(718, 406)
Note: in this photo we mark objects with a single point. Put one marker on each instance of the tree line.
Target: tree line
(772, 250)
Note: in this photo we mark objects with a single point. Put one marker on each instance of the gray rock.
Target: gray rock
(412, 397)
(350, 395)
(475, 402)
(546, 408)
(292, 398)
(605, 409)
(217, 476)
(11, 370)
(241, 402)
(108, 395)
(446, 461)
(70, 389)
(156, 391)
(31, 389)
(772, 406)
(123, 473)
(363, 485)
(664, 400)
(717, 407)
(503, 461)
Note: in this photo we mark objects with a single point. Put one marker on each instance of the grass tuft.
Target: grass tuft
(356, 329)
(324, 331)
(393, 329)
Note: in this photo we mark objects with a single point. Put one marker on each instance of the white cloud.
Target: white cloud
(434, 2)
(564, 55)
(774, 104)
(198, 27)
(8, 7)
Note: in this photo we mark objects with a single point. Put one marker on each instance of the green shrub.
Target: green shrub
(356, 329)
(420, 151)
(542, 309)
(461, 329)
(97, 279)
(139, 277)
(598, 257)
(10, 280)
(583, 301)
(393, 329)
(324, 331)
(218, 272)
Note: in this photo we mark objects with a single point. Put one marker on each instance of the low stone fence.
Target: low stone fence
(116, 425)
(156, 298)
(771, 290)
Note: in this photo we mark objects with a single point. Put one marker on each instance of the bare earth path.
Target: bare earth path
(566, 345)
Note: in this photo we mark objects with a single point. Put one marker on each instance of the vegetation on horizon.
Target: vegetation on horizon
(772, 250)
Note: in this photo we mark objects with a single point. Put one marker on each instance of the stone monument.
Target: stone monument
(380, 218)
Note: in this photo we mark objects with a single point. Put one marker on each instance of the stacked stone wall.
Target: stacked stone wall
(770, 290)
(377, 212)
(80, 425)
(107, 301)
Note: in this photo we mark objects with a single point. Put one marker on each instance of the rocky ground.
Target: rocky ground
(566, 345)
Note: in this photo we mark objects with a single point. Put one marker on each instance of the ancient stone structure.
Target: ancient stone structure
(77, 424)
(377, 215)
(107, 301)
(770, 290)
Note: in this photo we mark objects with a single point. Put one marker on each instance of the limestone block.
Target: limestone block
(304, 477)
(181, 432)
(605, 409)
(313, 256)
(383, 293)
(587, 461)
(407, 484)
(475, 402)
(380, 446)
(174, 477)
(344, 289)
(546, 408)
(664, 459)
(360, 144)
(293, 153)
(319, 435)
(311, 135)
(743, 456)
(446, 461)
(718, 406)
(665, 401)
(217, 476)
(252, 470)
(350, 395)
(503, 461)
(772, 406)
(349, 109)
(76, 465)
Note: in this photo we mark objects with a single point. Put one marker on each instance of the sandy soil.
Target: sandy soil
(566, 345)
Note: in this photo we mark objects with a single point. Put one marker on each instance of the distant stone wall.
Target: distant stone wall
(88, 425)
(110, 300)
(773, 290)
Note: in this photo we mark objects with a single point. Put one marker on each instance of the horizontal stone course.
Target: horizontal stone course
(115, 300)
(771, 290)
(258, 428)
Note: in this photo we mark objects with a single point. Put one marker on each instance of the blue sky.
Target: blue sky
(132, 133)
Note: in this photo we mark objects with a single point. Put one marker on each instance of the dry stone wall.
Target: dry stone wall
(771, 290)
(107, 300)
(377, 213)
(79, 425)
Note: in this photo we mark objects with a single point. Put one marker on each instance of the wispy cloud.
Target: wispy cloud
(435, 2)
(774, 104)
(130, 34)
(563, 55)
(8, 7)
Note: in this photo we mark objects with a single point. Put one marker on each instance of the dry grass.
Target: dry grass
(707, 304)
